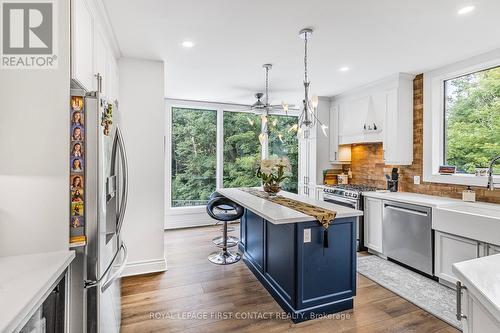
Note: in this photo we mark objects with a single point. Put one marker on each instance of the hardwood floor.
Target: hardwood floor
(196, 296)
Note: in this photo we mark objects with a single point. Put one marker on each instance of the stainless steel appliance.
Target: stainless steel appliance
(95, 273)
(407, 235)
(349, 196)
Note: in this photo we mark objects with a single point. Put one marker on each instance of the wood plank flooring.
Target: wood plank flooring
(196, 296)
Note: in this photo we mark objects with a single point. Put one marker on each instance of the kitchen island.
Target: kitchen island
(285, 250)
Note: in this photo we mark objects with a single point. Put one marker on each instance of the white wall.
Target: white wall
(142, 112)
(34, 153)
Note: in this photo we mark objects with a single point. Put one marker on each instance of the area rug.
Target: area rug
(425, 293)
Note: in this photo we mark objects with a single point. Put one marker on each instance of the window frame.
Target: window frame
(434, 118)
(178, 217)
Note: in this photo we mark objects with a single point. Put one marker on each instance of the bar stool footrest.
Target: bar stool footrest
(224, 257)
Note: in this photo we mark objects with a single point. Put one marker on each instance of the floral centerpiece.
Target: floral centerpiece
(272, 172)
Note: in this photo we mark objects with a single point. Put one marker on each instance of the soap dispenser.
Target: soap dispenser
(469, 195)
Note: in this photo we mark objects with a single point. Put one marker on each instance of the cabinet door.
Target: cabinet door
(101, 58)
(373, 224)
(311, 169)
(334, 134)
(319, 194)
(305, 190)
(492, 249)
(477, 318)
(112, 78)
(303, 158)
(450, 249)
(255, 238)
(391, 130)
(82, 45)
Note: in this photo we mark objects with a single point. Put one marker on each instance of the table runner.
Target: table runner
(324, 216)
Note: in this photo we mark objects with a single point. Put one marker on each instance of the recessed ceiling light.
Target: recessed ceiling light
(187, 43)
(344, 68)
(465, 10)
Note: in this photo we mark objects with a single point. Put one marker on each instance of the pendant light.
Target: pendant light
(308, 117)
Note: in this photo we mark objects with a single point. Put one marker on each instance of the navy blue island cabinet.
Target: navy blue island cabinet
(307, 279)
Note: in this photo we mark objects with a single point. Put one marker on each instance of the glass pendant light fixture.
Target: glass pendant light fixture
(308, 117)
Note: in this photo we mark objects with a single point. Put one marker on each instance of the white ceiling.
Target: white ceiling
(235, 37)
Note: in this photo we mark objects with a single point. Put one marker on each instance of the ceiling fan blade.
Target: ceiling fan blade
(280, 106)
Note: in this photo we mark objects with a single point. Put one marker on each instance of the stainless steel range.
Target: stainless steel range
(350, 196)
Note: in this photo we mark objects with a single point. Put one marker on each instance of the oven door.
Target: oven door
(351, 203)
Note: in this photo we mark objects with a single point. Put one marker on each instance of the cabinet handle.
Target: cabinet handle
(335, 156)
(99, 82)
(460, 316)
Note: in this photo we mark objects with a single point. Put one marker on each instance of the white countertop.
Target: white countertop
(412, 198)
(24, 280)
(481, 276)
(279, 214)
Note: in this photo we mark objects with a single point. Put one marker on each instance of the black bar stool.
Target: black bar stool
(218, 240)
(224, 210)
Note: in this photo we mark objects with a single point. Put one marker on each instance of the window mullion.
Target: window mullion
(219, 171)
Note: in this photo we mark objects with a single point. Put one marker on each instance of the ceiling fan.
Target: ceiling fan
(260, 107)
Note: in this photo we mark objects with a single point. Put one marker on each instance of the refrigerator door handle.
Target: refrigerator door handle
(95, 283)
(123, 204)
(119, 271)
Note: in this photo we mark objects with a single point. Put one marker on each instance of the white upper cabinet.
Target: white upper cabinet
(314, 146)
(101, 56)
(334, 134)
(398, 131)
(82, 44)
(379, 112)
(91, 53)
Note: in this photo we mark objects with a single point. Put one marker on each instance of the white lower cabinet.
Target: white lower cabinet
(450, 249)
(373, 215)
(475, 318)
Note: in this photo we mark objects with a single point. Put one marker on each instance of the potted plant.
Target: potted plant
(272, 172)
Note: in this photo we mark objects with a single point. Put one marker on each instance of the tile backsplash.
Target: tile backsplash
(368, 166)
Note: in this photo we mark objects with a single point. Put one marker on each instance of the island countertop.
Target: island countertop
(278, 214)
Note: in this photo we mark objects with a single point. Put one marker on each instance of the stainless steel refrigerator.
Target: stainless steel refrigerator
(95, 273)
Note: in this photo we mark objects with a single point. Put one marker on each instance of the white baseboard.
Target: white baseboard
(144, 267)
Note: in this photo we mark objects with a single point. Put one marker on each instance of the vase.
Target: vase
(272, 189)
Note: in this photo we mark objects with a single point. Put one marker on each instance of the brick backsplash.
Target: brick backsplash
(368, 167)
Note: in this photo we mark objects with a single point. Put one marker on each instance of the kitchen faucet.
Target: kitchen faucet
(491, 183)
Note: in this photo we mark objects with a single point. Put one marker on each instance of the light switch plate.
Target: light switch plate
(416, 180)
(307, 235)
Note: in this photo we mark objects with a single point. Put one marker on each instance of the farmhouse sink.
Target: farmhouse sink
(483, 210)
(479, 221)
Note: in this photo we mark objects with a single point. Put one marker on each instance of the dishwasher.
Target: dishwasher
(407, 235)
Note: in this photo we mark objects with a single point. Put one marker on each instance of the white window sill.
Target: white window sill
(460, 179)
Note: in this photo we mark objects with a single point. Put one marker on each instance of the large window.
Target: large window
(283, 142)
(242, 149)
(217, 145)
(472, 120)
(462, 119)
(194, 151)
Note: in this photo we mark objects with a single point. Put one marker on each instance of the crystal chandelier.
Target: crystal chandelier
(308, 117)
